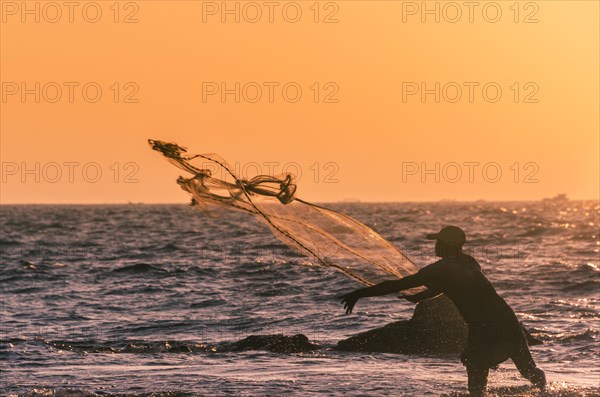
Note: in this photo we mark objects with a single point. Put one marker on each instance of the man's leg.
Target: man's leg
(527, 367)
(477, 379)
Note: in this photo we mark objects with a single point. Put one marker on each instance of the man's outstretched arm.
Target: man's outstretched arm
(427, 294)
(383, 288)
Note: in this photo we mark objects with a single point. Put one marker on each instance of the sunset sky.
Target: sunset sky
(332, 91)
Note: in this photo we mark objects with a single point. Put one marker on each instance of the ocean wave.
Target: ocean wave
(6, 242)
(589, 335)
(207, 303)
(587, 268)
(585, 286)
(538, 231)
(168, 247)
(131, 347)
(554, 389)
(77, 392)
(137, 268)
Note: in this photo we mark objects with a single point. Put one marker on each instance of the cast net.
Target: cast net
(329, 238)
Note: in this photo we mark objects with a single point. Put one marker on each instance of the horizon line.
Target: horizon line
(342, 201)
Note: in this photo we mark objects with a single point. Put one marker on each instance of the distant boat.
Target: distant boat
(559, 198)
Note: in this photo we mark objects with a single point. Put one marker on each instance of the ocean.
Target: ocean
(159, 300)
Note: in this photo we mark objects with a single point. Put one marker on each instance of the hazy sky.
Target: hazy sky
(374, 101)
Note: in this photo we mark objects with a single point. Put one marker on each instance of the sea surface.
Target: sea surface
(143, 300)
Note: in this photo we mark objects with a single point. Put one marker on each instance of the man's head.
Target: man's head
(449, 241)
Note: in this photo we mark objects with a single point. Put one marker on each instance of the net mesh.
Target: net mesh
(328, 237)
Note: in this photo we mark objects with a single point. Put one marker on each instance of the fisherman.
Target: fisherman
(494, 331)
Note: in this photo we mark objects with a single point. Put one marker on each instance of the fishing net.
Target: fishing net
(328, 237)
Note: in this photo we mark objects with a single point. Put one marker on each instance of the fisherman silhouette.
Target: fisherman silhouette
(494, 331)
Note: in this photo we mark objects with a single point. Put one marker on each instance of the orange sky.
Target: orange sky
(366, 136)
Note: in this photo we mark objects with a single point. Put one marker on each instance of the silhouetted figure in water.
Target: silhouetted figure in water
(494, 331)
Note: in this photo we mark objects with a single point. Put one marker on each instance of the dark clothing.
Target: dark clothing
(494, 331)
(461, 280)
